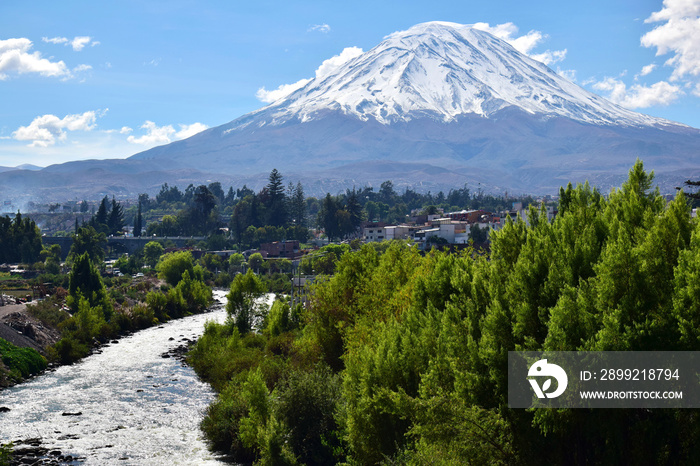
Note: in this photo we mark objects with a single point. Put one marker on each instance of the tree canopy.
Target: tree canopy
(420, 343)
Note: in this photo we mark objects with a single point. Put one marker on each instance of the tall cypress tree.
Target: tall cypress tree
(115, 221)
(102, 213)
(138, 223)
(277, 207)
(298, 206)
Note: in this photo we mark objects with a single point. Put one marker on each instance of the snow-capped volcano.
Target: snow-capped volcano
(438, 105)
(432, 108)
(445, 70)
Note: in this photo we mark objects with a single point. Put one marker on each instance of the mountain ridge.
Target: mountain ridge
(435, 105)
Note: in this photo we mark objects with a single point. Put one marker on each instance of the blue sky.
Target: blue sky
(86, 79)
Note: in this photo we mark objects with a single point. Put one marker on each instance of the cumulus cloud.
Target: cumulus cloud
(15, 57)
(78, 43)
(525, 43)
(327, 67)
(679, 35)
(282, 91)
(550, 57)
(190, 130)
(324, 28)
(639, 96)
(676, 32)
(156, 135)
(333, 63)
(45, 130)
(647, 69)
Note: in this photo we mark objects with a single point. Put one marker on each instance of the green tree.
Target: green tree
(102, 213)
(243, 300)
(297, 206)
(277, 201)
(20, 240)
(173, 265)
(152, 252)
(138, 222)
(255, 261)
(478, 234)
(115, 220)
(236, 259)
(85, 282)
(88, 241)
(328, 217)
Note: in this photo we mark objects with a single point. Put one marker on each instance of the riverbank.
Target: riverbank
(138, 403)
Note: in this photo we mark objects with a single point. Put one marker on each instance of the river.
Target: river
(136, 406)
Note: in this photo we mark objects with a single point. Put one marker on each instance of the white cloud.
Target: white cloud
(324, 28)
(282, 91)
(78, 43)
(44, 130)
(567, 74)
(80, 68)
(333, 63)
(679, 34)
(326, 68)
(639, 96)
(549, 57)
(125, 130)
(190, 130)
(16, 58)
(525, 43)
(55, 40)
(647, 69)
(156, 135)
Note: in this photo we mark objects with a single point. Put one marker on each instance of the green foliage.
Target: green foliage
(246, 290)
(21, 362)
(20, 240)
(278, 319)
(255, 262)
(401, 358)
(306, 406)
(48, 311)
(6, 453)
(172, 266)
(85, 281)
(236, 259)
(152, 252)
(195, 294)
(88, 240)
(478, 234)
(129, 264)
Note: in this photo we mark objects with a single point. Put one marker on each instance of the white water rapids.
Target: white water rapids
(137, 407)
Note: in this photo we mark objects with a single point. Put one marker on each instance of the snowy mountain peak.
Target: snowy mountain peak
(444, 70)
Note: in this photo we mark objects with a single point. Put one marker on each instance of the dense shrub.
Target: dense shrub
(413, 348)
(21, 362)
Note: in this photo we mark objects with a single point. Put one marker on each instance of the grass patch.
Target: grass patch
(21, 362)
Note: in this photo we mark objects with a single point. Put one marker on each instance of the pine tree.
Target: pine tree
(328, 217)
(138, 223)
(298, 205)
(115, 221)
(102, 212)
(354, 208)
(277, 205)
